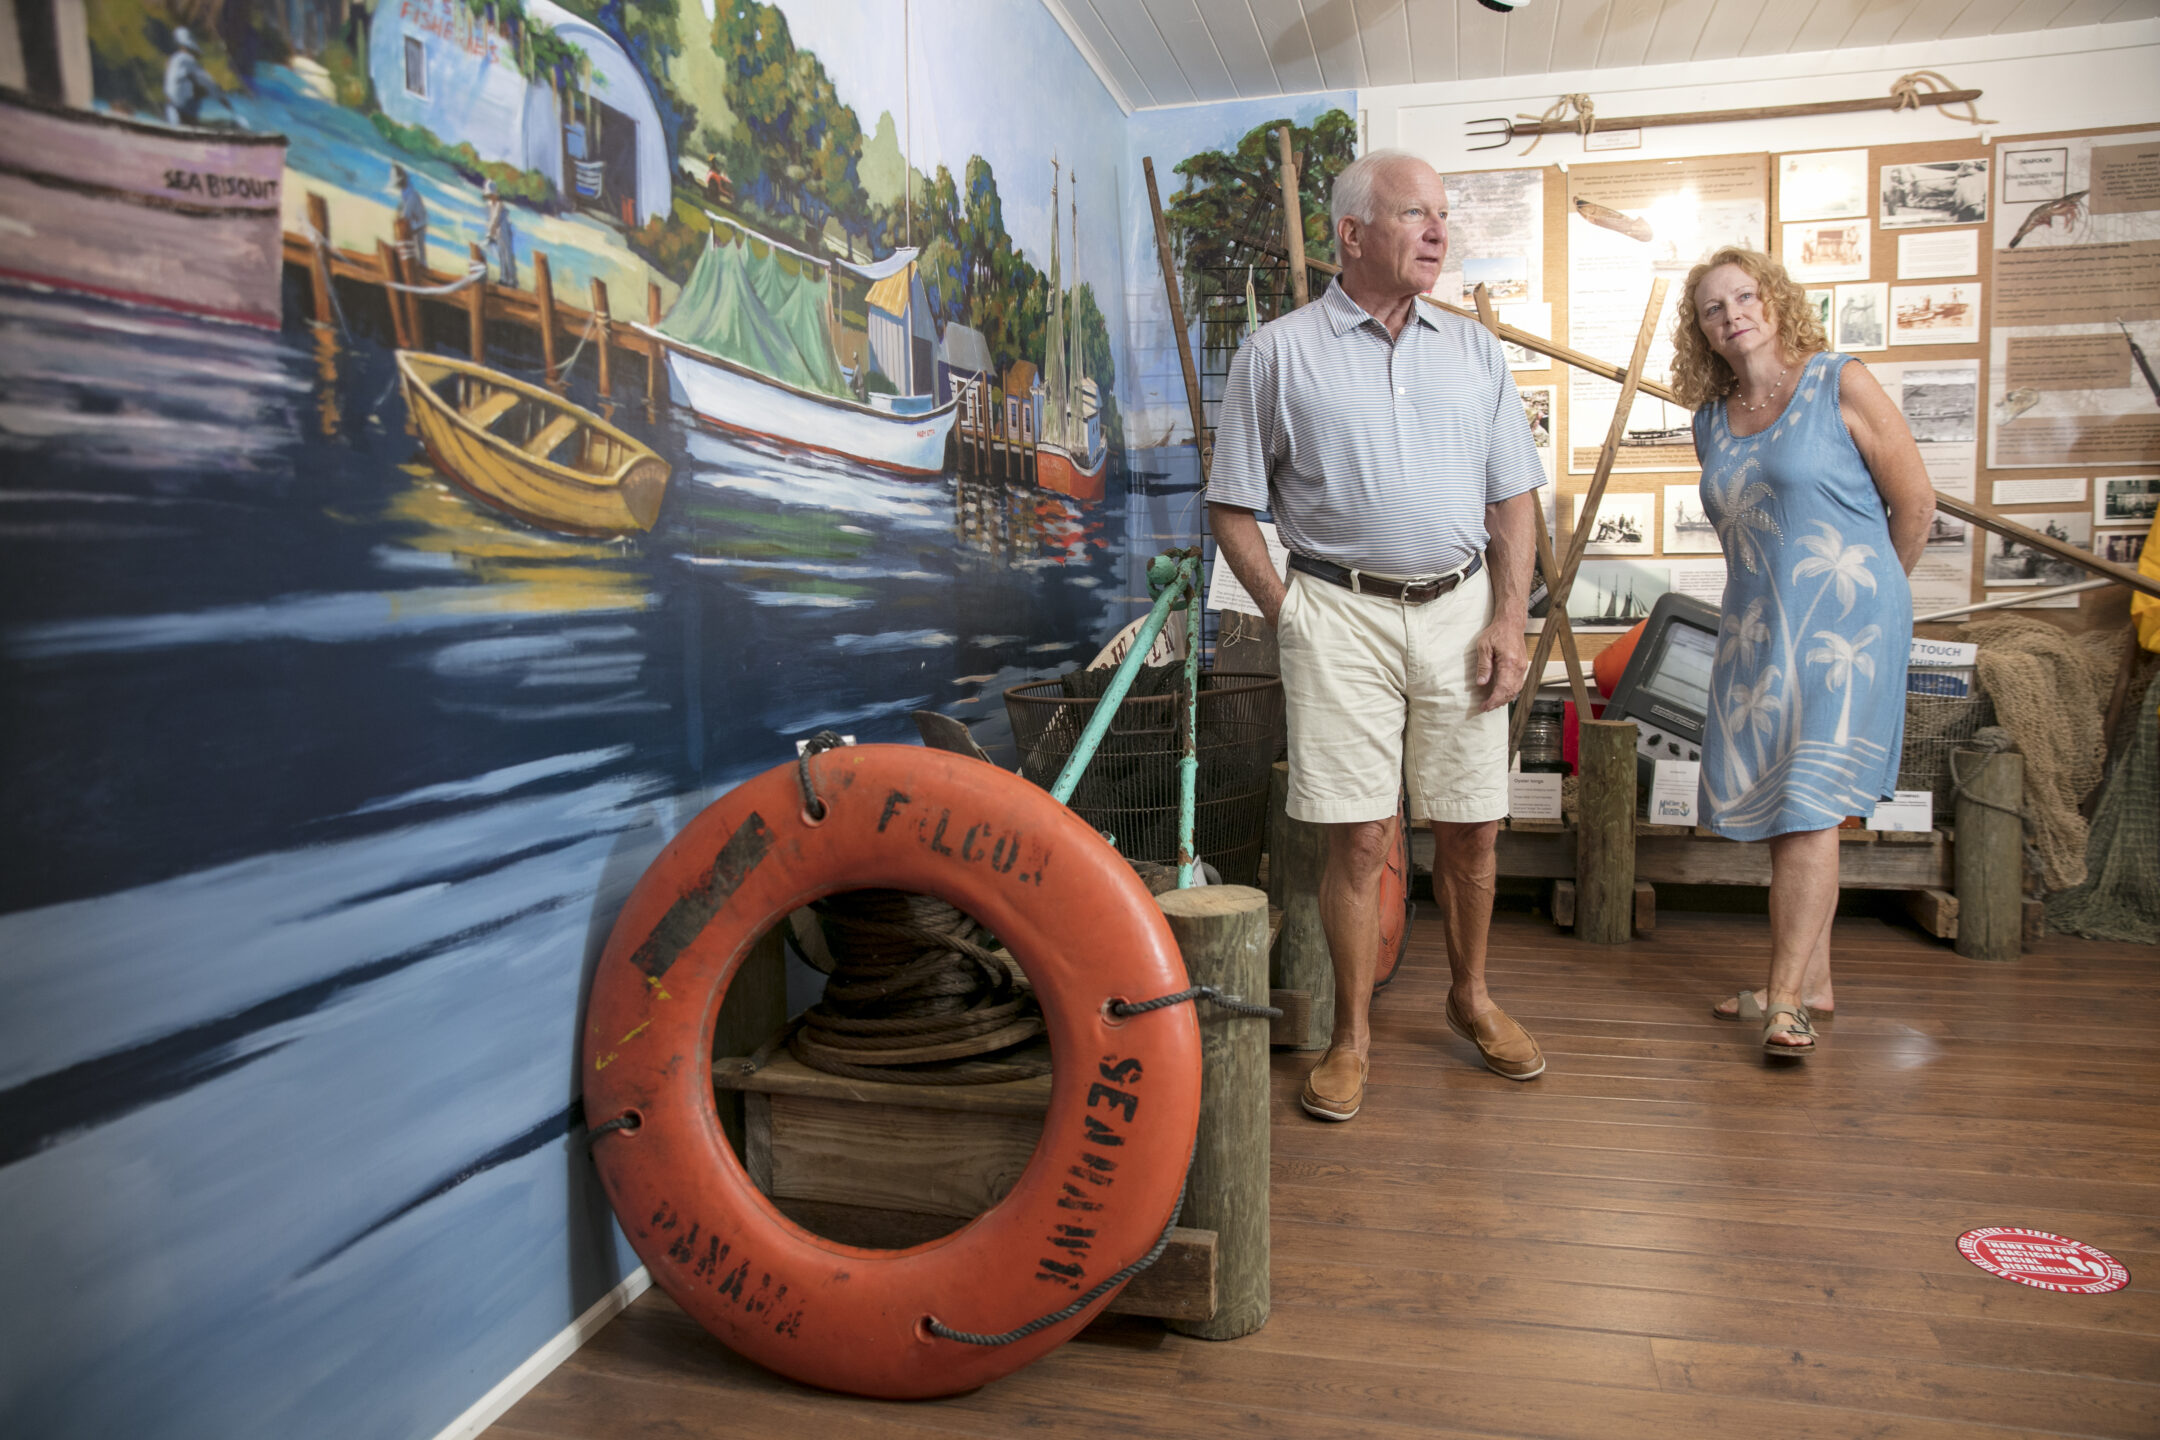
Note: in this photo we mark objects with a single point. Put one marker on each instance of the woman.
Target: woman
(1822, 506)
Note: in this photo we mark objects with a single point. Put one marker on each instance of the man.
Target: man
(1390, 442)
(187, 83)
(500, 239)
(413, 211)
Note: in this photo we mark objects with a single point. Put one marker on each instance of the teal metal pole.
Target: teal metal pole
(1189, 765)
(1107, 707)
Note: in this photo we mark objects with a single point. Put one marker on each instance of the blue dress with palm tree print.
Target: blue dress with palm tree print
(1807, 695)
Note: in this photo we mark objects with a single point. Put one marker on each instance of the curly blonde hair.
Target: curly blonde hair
(1700, 374)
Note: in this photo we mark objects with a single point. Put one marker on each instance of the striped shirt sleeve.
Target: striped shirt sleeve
(1248, 431)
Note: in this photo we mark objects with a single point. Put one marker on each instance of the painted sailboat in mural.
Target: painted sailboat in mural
(179, 217)
(1069, 457)
(749, 349)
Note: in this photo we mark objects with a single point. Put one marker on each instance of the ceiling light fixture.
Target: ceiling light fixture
(1505, 7)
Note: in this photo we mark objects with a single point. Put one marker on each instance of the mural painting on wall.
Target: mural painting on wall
(1226, 224)
(444, 442)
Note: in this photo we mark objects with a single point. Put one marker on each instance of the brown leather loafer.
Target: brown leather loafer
(1335, 1089)
(1506, 1046)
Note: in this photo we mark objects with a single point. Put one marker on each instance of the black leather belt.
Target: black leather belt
(1414, 591)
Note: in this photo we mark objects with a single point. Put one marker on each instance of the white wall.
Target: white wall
(2039, 81)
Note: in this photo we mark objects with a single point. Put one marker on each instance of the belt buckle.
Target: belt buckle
(1417, 592)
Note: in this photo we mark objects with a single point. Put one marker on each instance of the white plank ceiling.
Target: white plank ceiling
(1182, 52)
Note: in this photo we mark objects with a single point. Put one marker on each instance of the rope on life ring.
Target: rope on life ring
(1104, 1183)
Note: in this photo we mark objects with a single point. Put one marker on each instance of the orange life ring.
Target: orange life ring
(1125, 1093)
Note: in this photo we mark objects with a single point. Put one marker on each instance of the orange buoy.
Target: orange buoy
(1396, 906)
(1104, 1182)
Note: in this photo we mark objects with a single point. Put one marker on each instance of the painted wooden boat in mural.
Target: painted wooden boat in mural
(731, 396)
(749, 350)
(498, 440)
(1070, 457)
(178, 217)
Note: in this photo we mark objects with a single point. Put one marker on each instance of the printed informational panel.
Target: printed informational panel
(2075, 317)
(1496, 234)
(1628, 224)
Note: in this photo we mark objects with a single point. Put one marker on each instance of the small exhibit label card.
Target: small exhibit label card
(1911, 810)
(1534, 796)
(1672, 792)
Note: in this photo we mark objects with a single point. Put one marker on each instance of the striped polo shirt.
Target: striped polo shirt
(1377, 454)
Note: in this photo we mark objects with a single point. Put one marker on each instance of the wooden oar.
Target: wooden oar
(1589, 123)
(1557, 591)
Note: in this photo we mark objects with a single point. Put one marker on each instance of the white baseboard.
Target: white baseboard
(490, 1407)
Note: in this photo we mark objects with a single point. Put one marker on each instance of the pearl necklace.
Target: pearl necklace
(1751, 409)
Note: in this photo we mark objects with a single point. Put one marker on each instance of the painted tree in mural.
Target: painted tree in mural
(649, 32)
(797, 144)
(1228, 215)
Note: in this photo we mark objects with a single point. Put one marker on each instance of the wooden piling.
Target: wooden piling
(1989, 856)
(476, 310)
(1293, 219)
(1605, 839)
(653, 357)
(391, 274)
(318, 215)
(1222, 932)
(1301, 961)
(412, 270)
(544, 292)
(755, 1007)
(602, 336)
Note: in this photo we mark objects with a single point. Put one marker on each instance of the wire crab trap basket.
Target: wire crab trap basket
(1131, 786)
(1937, 723)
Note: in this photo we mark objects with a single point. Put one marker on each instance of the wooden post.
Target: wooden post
(476, 310)
(411, 271)
(1293, 219)
(387, 258)
(1563, 582)
(755, 1007)
(1989, 855)
(1300, 960)
(1193, 401)
(603, 328)
(544, 291)
(318, 217)
(653, 358)
(1605, 841)
(1222, 932)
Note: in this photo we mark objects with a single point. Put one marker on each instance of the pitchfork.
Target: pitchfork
(1908, 93)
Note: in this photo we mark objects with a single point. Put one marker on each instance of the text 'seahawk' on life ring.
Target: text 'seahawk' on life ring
(1125, 1097)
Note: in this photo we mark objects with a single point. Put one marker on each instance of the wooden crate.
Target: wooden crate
(887, 1166)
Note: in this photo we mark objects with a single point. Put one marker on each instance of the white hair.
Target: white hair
(1352, 196)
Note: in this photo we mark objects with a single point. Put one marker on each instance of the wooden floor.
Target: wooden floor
(1662, 1236)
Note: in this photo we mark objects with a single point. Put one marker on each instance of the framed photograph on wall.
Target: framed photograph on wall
(1626, 523)
(2121, 546)
(1935, 314)
(1823, 185)
(1823, 299)
(1863, 318)
(2125, 499)
(1939, 192)
(1828, 250)
(2012, 562)
(1688, 530)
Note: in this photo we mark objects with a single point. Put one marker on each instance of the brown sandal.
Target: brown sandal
(1799, 1025)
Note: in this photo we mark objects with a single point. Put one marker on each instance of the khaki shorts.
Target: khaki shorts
(1381, 695)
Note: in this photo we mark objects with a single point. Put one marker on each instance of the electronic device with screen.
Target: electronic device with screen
(1665, 689)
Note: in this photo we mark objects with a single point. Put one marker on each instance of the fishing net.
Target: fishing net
(2120, 899)
(2050, 691)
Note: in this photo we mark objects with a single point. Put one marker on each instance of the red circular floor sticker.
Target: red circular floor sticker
(2043, 1261)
